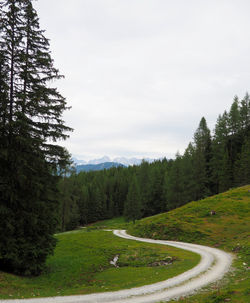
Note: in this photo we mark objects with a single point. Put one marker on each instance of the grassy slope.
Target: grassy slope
(80, 265)
(228, 229)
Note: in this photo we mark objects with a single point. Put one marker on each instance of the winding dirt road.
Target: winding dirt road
(213, 265)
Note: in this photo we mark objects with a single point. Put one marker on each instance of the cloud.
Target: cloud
(140, 74)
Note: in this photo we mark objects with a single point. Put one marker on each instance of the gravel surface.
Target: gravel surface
(213, 265)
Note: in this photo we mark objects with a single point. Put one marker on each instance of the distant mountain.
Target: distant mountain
(128, 161)
(123, 160)
(78, 162)
(104, 159)
(99, 166)
(132, 161)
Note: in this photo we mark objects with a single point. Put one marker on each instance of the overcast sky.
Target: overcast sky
(140, 74)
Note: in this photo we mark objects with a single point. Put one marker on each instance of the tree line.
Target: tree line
(211, 163)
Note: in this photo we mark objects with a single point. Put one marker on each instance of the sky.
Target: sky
(140, 74)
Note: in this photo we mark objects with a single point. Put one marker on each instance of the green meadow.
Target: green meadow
(81, 262)
(80, 265)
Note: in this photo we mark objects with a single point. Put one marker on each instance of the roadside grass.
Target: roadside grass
(228, 229)
(80, 265)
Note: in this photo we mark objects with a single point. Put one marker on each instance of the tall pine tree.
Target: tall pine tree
(202, 157)
(133, 206)
(30, 120)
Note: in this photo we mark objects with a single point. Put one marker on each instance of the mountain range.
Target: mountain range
(119, 160)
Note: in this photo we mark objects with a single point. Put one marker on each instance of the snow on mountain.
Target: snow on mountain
(123, 160)
(101, 160)
(78, 162)
(128, 161)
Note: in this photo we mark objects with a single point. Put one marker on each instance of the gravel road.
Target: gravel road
(213, 265)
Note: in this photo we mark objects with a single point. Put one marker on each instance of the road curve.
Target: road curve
(213, 265)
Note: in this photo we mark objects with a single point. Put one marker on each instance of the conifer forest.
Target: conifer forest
(212, 163)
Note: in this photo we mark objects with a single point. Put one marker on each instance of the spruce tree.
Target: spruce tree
(30, 120)
(172, 184)
(157, 200)
(202, 157)
(132, 207)
(83, 202)
(220, 161)
(187, 176)
(245, 112)
(242, 165)
(234, 117)
(145, 188)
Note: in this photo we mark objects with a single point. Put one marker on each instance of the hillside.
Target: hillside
(227, 227)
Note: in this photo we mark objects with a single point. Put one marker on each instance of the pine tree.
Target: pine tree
(172, 184)
(245, 112)
(187, 175)
(202, 157)
(30, 119)
(157, 199)
(3, 115)
(220, 160)
(145, 185)
(3, 96)
(242, 165)
(132, 207)
(234, 117)
(83, 202)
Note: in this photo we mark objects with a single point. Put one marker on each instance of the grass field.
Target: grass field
(81, 265)
(228, 229)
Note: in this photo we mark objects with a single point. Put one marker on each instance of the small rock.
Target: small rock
(114, 261)
(167, 261)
